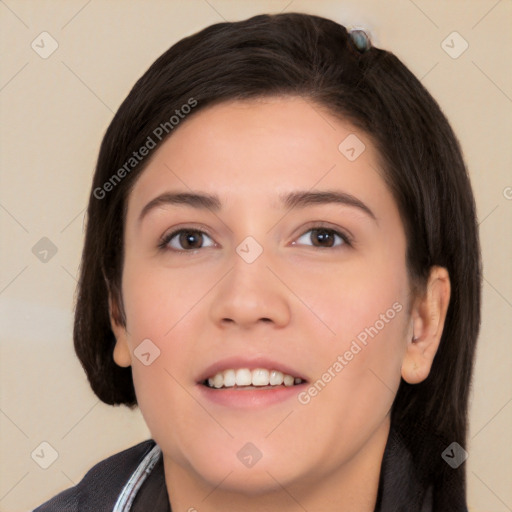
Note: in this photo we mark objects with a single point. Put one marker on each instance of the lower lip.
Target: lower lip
(250, 398)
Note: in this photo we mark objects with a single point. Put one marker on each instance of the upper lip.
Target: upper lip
(251, 363)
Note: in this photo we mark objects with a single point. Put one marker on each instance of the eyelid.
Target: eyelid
(345, 241)
(170, 234)
(345, 234)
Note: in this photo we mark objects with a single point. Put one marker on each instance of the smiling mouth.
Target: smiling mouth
(245, 379)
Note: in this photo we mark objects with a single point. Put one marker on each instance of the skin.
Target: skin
(302, 301)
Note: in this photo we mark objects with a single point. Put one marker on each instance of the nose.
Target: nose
(250, 294)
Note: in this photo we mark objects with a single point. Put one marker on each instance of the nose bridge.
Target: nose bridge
(250, 292)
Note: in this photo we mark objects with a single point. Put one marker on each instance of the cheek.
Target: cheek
(358, 373)
(173, 418)
(157, 299)
(360, 346)
(165, 316)
(363, 297)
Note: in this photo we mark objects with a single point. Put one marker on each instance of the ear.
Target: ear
(122, 355)
(428, 315)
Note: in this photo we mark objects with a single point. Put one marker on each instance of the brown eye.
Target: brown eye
(323, 238)
(190, 239)
(186, 240)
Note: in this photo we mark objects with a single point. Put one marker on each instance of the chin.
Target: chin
(251, 478)
(252, 482)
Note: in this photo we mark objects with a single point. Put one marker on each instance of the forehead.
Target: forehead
(263, 148)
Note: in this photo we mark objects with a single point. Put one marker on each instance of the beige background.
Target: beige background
(55, 112)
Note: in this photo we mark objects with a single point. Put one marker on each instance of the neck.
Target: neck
(351, 486)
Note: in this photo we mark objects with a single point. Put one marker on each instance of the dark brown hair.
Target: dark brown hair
(421, 161)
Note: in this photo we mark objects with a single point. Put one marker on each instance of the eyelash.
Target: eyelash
(164, 243)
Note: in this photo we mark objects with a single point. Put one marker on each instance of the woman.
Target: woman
(282, 270)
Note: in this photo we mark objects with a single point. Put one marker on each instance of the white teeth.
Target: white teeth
(288, 380)
(229, 378)
(243, 377)
(276, 378)
(218, 380)
(258, 377)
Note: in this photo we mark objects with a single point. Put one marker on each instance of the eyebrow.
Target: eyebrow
(303, 199)
(290, 201)
(200, 201)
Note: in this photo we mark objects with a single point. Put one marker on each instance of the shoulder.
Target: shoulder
(102, 484)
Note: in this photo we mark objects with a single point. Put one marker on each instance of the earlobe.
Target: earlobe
(429, 315)
(122, 355)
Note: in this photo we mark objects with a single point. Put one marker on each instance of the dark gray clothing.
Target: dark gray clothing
(134, 480)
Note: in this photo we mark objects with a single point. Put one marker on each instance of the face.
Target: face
(261, 242)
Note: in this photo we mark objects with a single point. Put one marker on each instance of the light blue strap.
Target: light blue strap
(130, 490)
